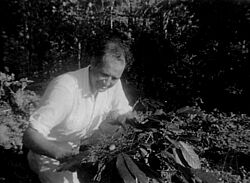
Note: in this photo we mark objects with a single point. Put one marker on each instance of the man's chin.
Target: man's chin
(102, 89)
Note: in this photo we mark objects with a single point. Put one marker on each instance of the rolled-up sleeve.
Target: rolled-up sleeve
(120, 104)
(55, 105)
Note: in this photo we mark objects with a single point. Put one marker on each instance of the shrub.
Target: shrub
(16, 104)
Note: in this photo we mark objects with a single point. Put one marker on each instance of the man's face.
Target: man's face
(105, 75)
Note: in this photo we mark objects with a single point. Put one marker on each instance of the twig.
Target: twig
(224, 164)
(135, 104)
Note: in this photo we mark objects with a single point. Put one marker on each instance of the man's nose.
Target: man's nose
(108, 81)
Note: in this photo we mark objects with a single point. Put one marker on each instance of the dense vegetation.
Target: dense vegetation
(185, 53)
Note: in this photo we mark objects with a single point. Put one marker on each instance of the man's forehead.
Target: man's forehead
(112, 60)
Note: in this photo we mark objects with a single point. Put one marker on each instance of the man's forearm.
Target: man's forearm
(127, 116)
(36, 142)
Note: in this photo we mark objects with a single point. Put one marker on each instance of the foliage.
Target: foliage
(186, 145)
(196, 45)
(16, 104)
(164, 147)
(186, 52)
(13, 92)
(194, 49)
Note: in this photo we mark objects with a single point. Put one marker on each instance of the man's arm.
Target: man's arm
(36, 142)
(121, 110)
(54, 106)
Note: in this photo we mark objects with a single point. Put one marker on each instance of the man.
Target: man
(73, 106)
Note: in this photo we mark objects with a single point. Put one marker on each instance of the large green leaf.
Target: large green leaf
(177, 157)
(190, 156)
(129, 171)
(123, 171)
(140, 176)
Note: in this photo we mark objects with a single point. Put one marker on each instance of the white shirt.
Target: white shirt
(69, 111)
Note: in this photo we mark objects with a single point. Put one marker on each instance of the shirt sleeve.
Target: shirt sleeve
(54, 106)
(120, 104)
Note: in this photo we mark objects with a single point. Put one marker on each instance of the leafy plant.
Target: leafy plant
(13, 92)
(16, 104)
(148, 150)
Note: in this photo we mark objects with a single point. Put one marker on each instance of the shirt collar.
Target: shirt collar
(86, 90)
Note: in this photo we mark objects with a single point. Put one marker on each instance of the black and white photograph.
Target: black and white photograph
(125, 91)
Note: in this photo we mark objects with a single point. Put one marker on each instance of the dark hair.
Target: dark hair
(111, 43)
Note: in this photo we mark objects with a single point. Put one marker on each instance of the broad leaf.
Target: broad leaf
(140, 176)
(177, 157)
(123, 171)
(190, 156)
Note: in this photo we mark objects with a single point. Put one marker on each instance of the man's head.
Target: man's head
(107, 65)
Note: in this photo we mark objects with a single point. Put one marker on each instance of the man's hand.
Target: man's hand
(114, 126)
(124, 120)
(72, 163)
(120, 120)
(36, 142)
(64, 154)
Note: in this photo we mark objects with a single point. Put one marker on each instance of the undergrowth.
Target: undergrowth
(187, 145)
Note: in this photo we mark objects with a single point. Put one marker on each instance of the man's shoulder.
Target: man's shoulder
(66, 78)
(69, 79)
(74, 79)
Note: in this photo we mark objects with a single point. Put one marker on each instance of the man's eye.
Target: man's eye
(104, 75)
